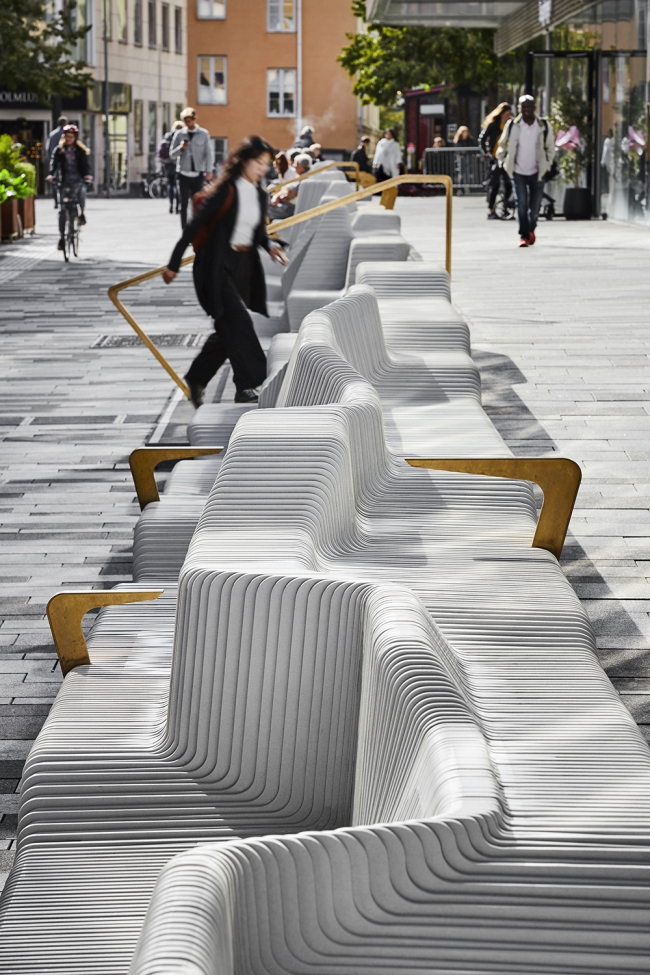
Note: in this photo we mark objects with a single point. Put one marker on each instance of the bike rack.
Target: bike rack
(277, 227)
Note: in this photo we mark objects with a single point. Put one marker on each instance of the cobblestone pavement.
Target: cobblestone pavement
(559, 332)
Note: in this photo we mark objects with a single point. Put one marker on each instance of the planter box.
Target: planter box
(577, 203)
(9, 224)
(27, 213)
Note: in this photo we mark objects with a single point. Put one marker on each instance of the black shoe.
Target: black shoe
(197, 392)
(246, 396)
(171, 209)
(82, 220)
(60, 246)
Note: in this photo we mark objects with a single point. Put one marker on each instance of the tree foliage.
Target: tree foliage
(388, 60)
(38, 54)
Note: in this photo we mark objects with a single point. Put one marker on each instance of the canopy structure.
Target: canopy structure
(440, 13)
(516, 22)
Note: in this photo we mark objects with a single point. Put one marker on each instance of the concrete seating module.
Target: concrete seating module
(256, 732)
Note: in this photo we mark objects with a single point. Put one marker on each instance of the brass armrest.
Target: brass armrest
(144, 460)
(558, 477)
(66, 610)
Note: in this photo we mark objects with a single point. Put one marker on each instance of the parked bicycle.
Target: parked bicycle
(154, 185)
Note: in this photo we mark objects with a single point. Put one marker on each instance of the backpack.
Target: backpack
(164, 147)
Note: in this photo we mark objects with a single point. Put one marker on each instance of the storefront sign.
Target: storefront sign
(119, 98)
(18, 99)
(432, 109)
(544, 12)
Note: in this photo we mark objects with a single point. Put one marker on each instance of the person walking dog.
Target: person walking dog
(191, 150)
(526, 151)
(228, 276)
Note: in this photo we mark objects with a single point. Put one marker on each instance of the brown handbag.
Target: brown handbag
(204, 232)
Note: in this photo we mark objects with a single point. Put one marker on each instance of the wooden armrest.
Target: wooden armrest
(66, 610)
(144, 461)
(558, 477)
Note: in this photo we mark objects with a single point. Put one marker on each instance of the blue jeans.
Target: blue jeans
(528, 194)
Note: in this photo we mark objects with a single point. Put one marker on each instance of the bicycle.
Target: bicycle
(154, 185)
(69, 217)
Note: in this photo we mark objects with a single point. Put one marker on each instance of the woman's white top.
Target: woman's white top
(248, 213)
(388, 155)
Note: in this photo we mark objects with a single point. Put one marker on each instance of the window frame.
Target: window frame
(152, 116)
(281, 87)
(138, 127)
(211, 58)
(164, 26)
(178, 30)
(152, 26)
(122, 22)
(276, 27)
(137, 23)
(212, 15)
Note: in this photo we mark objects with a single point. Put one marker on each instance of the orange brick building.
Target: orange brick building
(269, 67)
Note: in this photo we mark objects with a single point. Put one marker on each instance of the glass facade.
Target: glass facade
(597, 81)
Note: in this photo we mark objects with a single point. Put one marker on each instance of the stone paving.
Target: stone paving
(559, 331)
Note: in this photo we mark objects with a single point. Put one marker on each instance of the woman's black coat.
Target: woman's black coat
(209, 261)
(58, 161)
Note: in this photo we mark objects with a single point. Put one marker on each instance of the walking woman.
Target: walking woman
(228, 275)
(488, 140)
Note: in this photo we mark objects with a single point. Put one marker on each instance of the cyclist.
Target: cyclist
(488, 140)
(70, 166)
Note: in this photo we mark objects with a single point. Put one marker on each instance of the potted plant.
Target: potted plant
(17, 189)
(571, 116)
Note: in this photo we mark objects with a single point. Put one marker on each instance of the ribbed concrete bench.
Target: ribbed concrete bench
(255, 733)
(414, 304)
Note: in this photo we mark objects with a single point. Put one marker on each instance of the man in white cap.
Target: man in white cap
(526, 150)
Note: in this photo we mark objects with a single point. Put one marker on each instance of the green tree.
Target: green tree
(38, 53)
(389, 60)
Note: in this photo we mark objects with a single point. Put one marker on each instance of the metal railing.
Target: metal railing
(468, 168)
(277, 227)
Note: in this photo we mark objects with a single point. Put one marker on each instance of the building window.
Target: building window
(281, 91)
(122, 34)
(153, 127)
(211, 9)
(212, 81)
(138, 126)
(178, 108)
(178, 30)
(152, 22)
(165, 26)
(166, 117)
(137, 22)
(281, 16)
(107, 18)
(220, 147)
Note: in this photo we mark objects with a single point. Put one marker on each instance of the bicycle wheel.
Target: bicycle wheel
(158, 188)
(72, 230)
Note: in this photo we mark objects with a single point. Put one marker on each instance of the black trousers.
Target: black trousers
(234, 336)
(170, 173)
(188, 186)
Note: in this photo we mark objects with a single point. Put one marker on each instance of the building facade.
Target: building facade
(143, 46)
(269, 67)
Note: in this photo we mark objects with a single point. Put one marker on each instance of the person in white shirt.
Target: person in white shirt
(526, 150)
(387, 157)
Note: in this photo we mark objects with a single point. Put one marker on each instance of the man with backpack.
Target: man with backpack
(526, 151)
(169, 166)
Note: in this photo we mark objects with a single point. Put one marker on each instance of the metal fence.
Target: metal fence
(468, 168)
